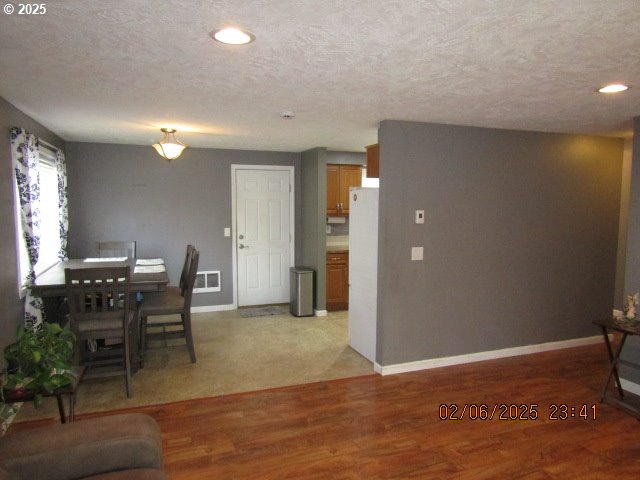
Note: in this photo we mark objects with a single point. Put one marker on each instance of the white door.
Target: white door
(264, 236)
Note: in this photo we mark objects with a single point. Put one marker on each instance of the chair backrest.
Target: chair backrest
(97, 293)
(117, 249)
(187, 290)
(185, 268)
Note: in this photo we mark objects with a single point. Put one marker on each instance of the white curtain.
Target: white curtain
(61, 167)
(24, 151)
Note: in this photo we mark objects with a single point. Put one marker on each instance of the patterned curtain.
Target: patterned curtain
(61, 167)
(24, 150)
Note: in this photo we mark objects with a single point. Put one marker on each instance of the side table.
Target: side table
(626, 328)
(13, 397)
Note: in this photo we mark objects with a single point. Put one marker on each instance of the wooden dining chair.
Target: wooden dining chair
(173, 289)
(99, 309)
(173, 301)
(185, 267)
(183, 275)
(112, 249)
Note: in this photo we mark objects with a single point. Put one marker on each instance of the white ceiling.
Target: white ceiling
(116, 71)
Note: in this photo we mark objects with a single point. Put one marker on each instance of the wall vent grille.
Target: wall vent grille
(207, 281)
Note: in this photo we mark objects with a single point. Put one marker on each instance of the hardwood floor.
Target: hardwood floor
(389, 427)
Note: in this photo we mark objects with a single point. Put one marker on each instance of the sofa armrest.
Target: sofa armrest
(83, 448)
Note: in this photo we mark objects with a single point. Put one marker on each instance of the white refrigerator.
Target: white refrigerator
(363, 270)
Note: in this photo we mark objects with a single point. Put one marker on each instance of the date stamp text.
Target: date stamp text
(516, 411)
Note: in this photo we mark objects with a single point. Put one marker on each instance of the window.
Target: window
(50, 241)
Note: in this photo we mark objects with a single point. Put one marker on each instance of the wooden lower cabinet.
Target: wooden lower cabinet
(337, 281)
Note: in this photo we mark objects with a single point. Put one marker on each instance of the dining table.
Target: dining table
(147, 275)
(143, 278)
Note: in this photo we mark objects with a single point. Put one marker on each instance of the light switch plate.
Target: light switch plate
(419, 216)
(416, 253)
(227, 231)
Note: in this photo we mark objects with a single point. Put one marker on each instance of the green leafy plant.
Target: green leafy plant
(39, 361)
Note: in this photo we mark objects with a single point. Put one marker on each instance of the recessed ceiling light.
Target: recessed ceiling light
(232, 36)
(613, 88)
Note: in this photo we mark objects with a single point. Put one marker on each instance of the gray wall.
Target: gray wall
(122, 192)
(314, 206)
(520, 238)
(347, 158)
(631, 351)
(11, 307)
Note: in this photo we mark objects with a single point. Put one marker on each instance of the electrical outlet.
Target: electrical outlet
(416, 253)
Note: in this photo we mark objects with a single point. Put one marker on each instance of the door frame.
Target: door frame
(234, 237)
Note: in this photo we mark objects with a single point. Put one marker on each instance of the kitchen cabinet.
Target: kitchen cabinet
(373, 161)
(337, 281)
(339, 179)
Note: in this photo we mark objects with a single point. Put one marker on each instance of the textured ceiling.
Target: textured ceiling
(115, 71)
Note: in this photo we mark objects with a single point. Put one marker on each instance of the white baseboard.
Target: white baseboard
(231, 306)
(480, 356)
(213, 308)
(630, 386)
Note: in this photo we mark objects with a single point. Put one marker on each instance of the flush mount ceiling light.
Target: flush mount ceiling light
(232, 36)
(613, 88)
(169, 147)
(288, 114)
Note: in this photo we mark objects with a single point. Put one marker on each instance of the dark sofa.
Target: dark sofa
(113, 447)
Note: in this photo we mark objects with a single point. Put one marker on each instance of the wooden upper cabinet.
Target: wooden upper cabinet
(339, 179)
(333, 190)
(373, 161)
(350, 176)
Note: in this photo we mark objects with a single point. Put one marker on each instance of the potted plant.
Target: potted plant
(38, 362)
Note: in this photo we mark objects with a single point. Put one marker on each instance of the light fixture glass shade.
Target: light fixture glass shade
(233, 36)
(169, 147)
(613, 88)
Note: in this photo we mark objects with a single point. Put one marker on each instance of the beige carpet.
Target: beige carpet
(235, 354)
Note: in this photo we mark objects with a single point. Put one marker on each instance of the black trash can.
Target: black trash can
(301, 285)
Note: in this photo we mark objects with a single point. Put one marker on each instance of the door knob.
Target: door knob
(241, 246)
(240, 237)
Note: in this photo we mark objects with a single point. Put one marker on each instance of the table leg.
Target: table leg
(134, 337)
(613, 358)
(72, 406)
(63, 417)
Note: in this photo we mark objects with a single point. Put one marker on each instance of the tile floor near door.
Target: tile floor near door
(234, 354)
